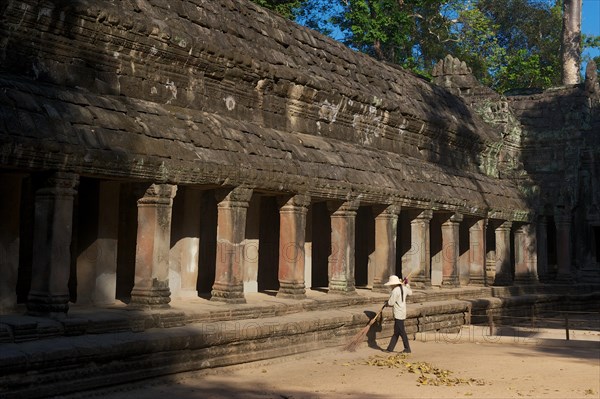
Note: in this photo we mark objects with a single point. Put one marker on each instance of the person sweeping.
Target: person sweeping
(401, 289)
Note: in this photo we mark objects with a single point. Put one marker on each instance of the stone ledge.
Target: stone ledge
(76, 363)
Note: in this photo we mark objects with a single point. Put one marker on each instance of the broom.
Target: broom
(353, 344)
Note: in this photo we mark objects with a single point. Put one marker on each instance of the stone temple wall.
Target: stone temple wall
(148, 143)
(561, 153)
(224, 92)
(554, 141)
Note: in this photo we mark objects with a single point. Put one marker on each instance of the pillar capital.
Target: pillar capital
(234, 197)
(453, 218)
(157, 194)
(59, 184)
(504, 225)
(387, 210)
(562, 215)
(346, 208)
(424, 215)
(294, 201)
(477, 223)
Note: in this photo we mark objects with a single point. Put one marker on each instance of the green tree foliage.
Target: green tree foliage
(508, 43)
(511, 43)
(287, 8)
(592, 42)
(411, 33)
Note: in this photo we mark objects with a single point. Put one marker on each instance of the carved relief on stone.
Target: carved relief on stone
(591, 79)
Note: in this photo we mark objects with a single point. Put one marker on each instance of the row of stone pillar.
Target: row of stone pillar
(53, 231)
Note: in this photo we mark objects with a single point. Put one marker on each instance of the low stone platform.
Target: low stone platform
(93, 347)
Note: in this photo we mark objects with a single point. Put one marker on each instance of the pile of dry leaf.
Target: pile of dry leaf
(428, 375)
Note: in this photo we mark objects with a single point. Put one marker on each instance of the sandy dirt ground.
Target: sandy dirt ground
(439, 367)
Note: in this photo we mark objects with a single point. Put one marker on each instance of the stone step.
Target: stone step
(119, 345)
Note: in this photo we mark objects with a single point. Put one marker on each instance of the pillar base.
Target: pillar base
(342, 287)
(184, 294)
(420, 282)
(55, 306)
(477, 281)
(158, 295)
(503, 281)
(380, 287)
(228, 293)
(563, 278)
(526, 279)
(451, 282)
(291, 290)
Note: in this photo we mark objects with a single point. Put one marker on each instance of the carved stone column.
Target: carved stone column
(108, 240)
(10, 202)
(151, 287)
(183, 262)
(503, 255)
(477, 251)
(451, 250)
(292, 231)
(420, 259)
(341, 260)
(526, 255)
(384, 257)
(562, 219)
(542, 248)
(231, 228)
(53, 226)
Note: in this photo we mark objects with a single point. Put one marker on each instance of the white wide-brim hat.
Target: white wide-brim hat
(394, 280)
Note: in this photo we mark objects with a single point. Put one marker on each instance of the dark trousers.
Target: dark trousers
(399, 331)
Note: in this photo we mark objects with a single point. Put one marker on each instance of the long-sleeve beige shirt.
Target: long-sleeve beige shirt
(398, 300)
